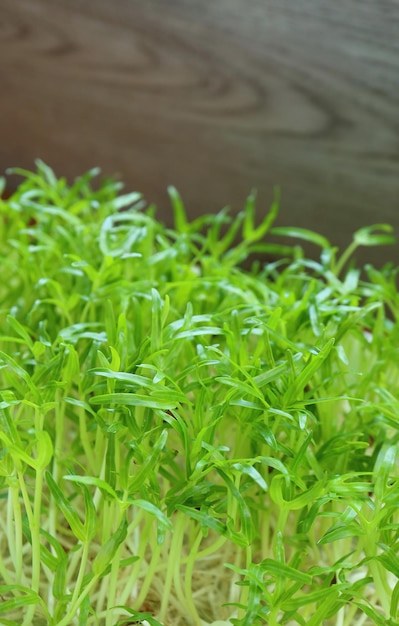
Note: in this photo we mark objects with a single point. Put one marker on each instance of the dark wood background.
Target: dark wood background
(215, 97)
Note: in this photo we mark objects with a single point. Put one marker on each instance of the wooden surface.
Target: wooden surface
(215, 97)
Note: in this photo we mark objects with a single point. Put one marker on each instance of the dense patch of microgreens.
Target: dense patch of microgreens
(185, 442)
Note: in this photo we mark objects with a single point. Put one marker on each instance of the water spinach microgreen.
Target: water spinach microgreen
(184, 441)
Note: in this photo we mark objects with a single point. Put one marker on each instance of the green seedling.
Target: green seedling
(184, 442)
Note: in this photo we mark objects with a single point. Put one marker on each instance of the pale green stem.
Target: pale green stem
(345, 257)
(12, 512)
(74, 563)
(173, 562)
(149, 577)
(265, 533)
(244, 591)
(214, 547)
(4, 570)
(81, 573)
(384, 592)
(113, 583)
(34, 524)
(142, 543)
(188, 588)
(74, 607)
(91, 463)
(177, 545)
(59, 442)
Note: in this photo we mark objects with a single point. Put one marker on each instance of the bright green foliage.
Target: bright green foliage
(183, 442)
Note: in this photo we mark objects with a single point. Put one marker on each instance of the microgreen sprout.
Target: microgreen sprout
(183, 441)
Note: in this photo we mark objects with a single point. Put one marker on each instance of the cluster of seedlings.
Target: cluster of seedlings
(184, 442)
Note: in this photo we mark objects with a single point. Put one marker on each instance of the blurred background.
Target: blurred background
(216, 97)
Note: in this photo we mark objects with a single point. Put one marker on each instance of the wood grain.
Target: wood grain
(215, 97)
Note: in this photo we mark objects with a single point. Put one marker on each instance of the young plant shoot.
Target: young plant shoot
(184, 442)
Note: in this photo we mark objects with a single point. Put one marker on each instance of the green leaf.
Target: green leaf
(137, 616)
(44, 451)
(342, 532)
(179, 211)
(149, 463)
(206, 520)
(135, 399)
(60, 579)
(84, 611)
(163, 521)
(241, 387)
(21, 373)
(109, 549)
(93, 481)
(302, 233)
(66, 509)
(329, 605)
(20, 330)
(126, 200)
(389, 559)
(296, 388)
(297, 503)
(252, 472)
(316, 597)
(29, 598)
(270, 566)
(373, 614)
(47, 173)
(368, 237)
(133, 380)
